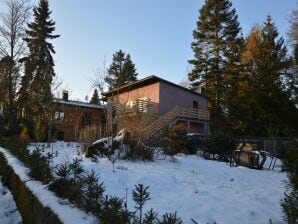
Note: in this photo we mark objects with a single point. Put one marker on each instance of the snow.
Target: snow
(66, 212)
(206, 191)
(9, 213)
(79, 103)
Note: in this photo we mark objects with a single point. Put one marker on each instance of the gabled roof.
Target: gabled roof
(78, 103)
(145, 82)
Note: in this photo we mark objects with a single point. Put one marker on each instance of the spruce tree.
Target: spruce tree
(170, 218)
(93, 193)
(95, 97)
(115, 212)
(217, 50)
(121, 71)
(140, 195)
(266, 66)
(289, 157)
(150, 217)
(39, 63)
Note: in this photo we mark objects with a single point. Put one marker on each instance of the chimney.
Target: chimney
(65, 95)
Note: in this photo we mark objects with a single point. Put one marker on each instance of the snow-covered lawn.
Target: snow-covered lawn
(9, 213)
(206, 191)
(66, 212)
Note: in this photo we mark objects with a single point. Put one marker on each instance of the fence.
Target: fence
(269, 144)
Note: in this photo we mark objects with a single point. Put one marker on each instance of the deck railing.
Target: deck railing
(182, 112)
(143, 106)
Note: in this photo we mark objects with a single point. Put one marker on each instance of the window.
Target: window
(86, 119)
(195, 105)
(59, 116)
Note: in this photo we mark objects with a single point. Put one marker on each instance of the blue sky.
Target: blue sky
(157, 34)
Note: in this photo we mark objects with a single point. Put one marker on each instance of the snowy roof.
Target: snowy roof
(79, 103)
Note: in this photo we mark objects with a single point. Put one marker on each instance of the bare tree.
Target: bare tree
(12, 48)
(98, 81)
(293, 31)
(12, 28)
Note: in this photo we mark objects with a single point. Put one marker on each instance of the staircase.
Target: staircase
(178, 112)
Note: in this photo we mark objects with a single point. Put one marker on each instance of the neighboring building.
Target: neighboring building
(70, 116)
(163, 102)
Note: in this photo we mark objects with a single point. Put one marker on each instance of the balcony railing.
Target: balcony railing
(143, 106)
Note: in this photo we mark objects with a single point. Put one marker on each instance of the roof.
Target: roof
(78, 103)
(145, 82)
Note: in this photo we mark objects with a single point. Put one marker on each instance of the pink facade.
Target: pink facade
(170, 96)
(149, 92)
(164, 95)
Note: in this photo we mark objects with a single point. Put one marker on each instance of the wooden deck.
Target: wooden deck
(178, 112)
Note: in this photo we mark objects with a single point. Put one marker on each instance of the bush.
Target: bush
(175, 141)
(17, 147)
(219, 145)
(87, 136)
(24, 135)
(289, 156)
(40, 131)
(139, 151)
(39, 167)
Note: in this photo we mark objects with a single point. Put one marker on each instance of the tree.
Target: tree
(217, 49)
(121, 71)
(12, 28)
(170, 218)
(140, 195)
(115, 212)
(39, 63)
(266, 66)
(150, 217)
(289, 157)
(12, 32)
(93, 193)
(293, 37)
(95, 97)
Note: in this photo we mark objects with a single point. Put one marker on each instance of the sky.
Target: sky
(156, 33)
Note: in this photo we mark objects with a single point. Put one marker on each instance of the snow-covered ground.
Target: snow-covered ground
(9, 213)
(66, 212)
(206, 191)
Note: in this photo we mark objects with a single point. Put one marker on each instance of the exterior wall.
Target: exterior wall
(170, 96)
(73, 119)
(150, 91)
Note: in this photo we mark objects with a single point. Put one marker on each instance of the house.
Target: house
(162, 103)
(71, 116)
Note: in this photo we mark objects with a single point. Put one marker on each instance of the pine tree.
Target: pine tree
(39, 167)
(150, 217)
(266, 65)
(289, 156)
(93, 193)
(140, 195)
(95, 97)
(39, 64)
(217, 50)
(114, 212)
(121, 71)
(170, 218)
(76, 169)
